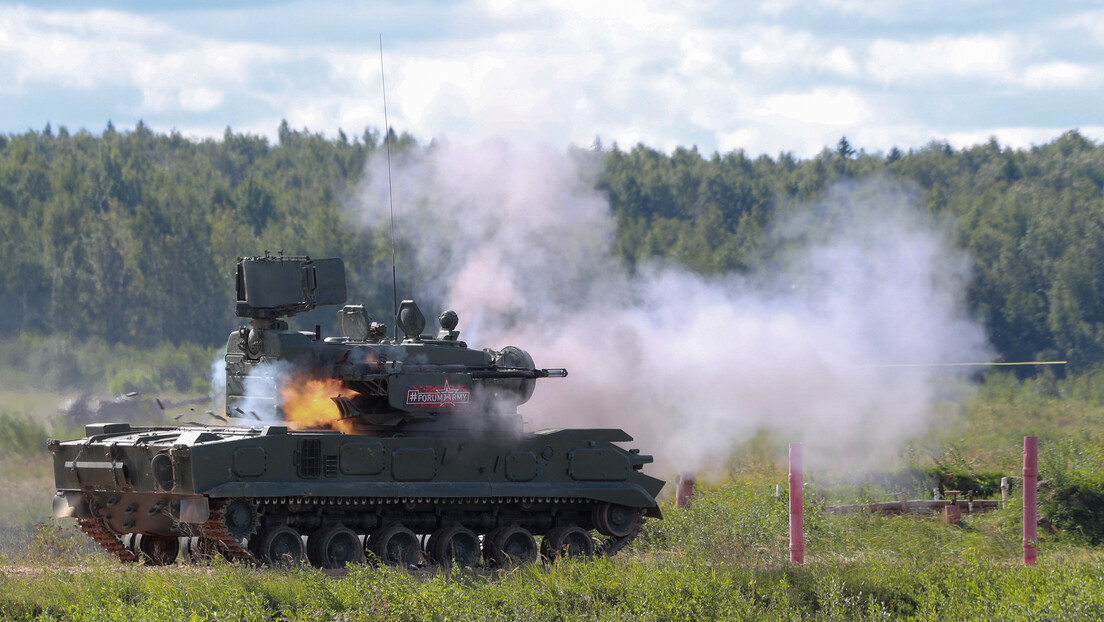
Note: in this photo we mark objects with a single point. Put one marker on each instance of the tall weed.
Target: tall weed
(1071, 497)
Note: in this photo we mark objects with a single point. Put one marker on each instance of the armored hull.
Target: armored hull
(414, 452)
(232, 488)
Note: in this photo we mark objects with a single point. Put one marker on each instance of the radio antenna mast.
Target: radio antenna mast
(390, 195)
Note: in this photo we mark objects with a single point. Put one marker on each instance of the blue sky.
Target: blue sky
(765, 77)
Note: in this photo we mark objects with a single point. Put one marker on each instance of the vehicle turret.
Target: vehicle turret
(431, 383)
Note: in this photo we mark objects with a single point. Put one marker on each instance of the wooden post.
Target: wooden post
(797, 518)
(952, 513)
(1004, 492)
(1030, 499)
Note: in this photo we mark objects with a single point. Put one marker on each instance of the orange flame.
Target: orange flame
(307, 404)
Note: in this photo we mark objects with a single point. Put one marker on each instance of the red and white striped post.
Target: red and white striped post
(684, 489)
(797, 519)
(1030, 499)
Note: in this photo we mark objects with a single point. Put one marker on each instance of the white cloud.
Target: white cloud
(1062, 75)
(994, 59)
(200, 99)
(877, 10)
(591, 69)
(776, 8)
(839, 60)
(1087, 24)
(838, 108)
(46, 47)
(774, 49)
(623, 18)
(1016, 137)
(707, 72)
(985, 57)
(422, 80)
(87, 50)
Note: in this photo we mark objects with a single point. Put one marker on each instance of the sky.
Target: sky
(764, 77)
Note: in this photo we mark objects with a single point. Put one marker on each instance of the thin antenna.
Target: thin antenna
(390, 195)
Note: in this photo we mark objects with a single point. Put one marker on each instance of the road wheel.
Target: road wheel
(569, 541)
(281, 546)
(454, 544)
(198, 550)
(158, 550)
(333, 547)
(395, 545)
(615, 520)
(509, 545)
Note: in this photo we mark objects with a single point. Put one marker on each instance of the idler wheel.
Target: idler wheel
(455, 544)
(334, 546)
(509, 545)
(615, 520)
(158, 550)
(282, 546)
(241, 518)
(395, 545)
(568, 541)
(199, 550)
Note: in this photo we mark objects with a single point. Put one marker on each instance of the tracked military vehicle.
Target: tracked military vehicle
(405, 450)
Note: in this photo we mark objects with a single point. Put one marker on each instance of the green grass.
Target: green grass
(695, 566)
(724, 558)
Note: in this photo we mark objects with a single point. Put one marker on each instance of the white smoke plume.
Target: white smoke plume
(520, 244)
(262, 393)
(217, 374)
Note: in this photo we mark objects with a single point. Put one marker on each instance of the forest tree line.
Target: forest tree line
(130, 236)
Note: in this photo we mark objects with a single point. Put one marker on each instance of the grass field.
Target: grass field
(724, 558)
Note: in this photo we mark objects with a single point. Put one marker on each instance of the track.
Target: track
(611, 546)
(96, 529)
(228, 545)
(216, 532)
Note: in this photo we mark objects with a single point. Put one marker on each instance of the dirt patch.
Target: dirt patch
(24, 571)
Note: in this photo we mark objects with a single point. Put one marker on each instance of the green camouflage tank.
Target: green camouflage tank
(343, 448)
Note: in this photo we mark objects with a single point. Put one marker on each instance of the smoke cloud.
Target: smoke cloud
(521, 245)
(217, 374)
